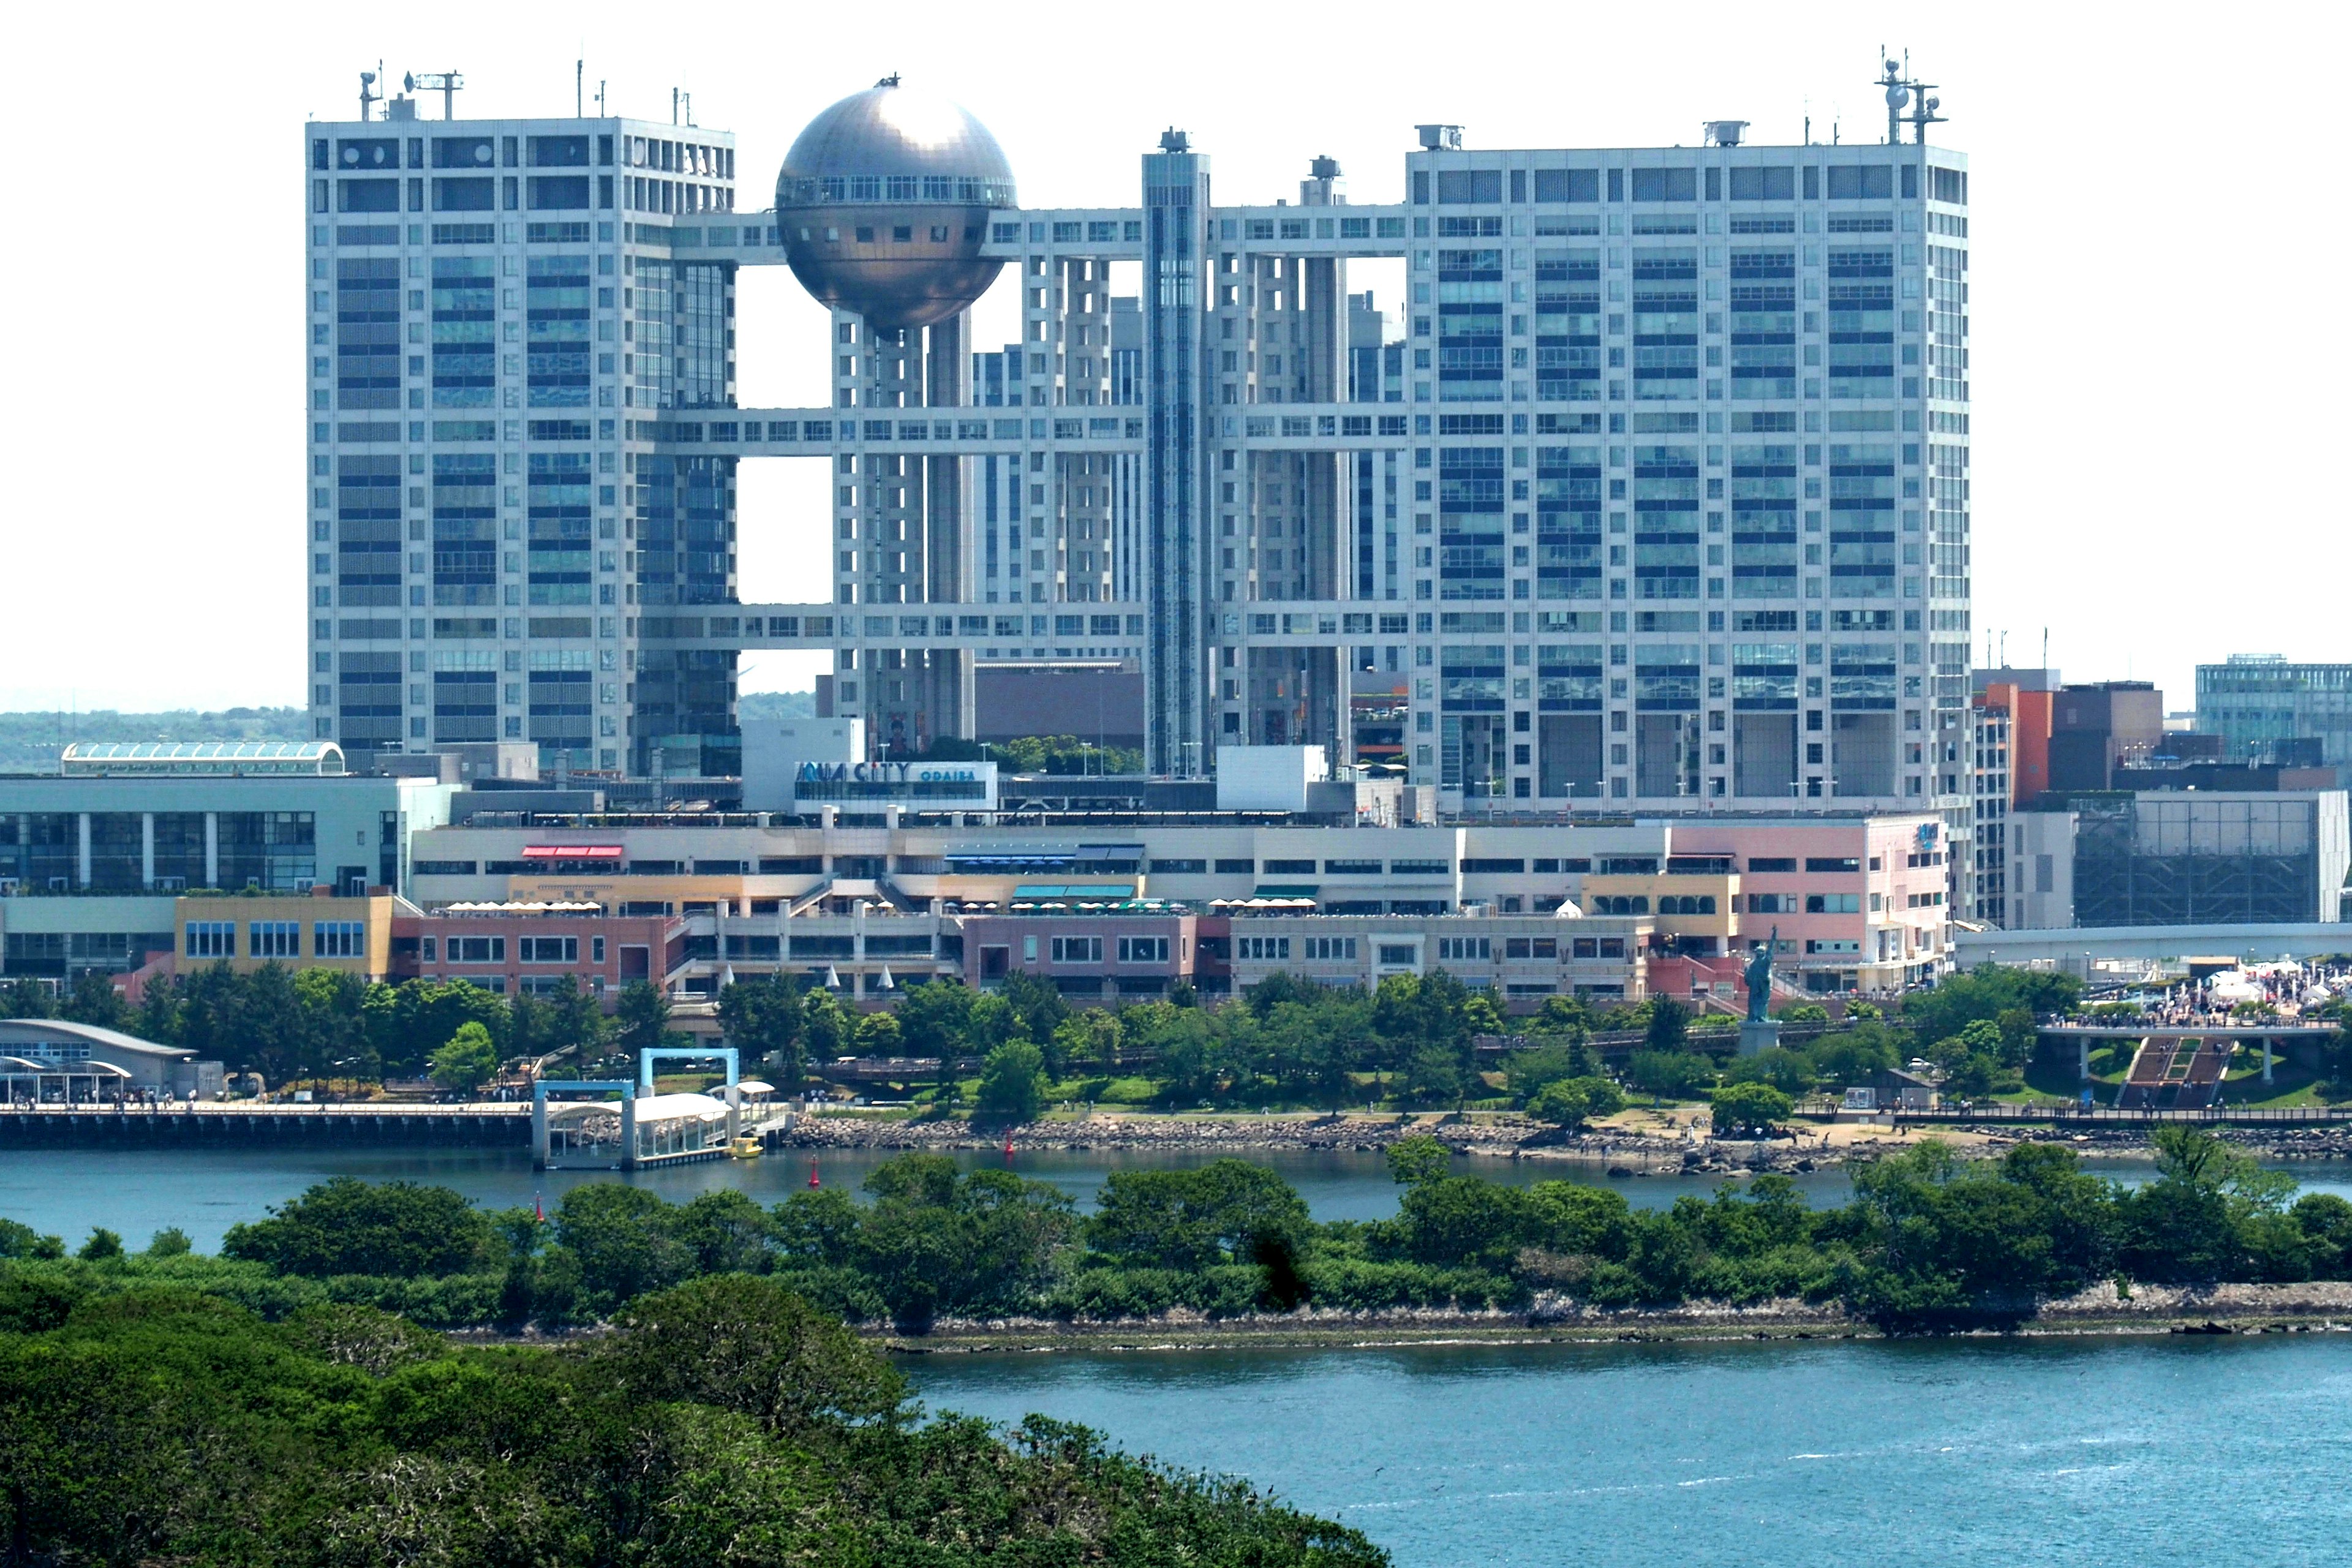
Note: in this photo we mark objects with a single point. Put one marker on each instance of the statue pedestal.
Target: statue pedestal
(1758, 1034)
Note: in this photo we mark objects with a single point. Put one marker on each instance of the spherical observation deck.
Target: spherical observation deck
(884, 203)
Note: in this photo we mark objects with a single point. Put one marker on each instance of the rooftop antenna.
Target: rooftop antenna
(688, 99)
(673, 106)
(1898, 94)
(579, 88)
(369, 92)
(445, 83)
(600, 97)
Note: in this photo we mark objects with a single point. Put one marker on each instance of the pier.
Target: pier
(471, 1124)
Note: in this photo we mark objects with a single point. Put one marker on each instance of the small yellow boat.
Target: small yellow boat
(745, 1148)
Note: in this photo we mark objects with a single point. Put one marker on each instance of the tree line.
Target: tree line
(724, 1423)
(1929, 1241)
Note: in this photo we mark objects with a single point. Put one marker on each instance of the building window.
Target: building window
(477, 949)
(1078, 950)
(1264, 949)
(550, 949)
(337, 939)
(274, 939)
(1143, 949)
(212, 939)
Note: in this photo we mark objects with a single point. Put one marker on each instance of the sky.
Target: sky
(2156, 333)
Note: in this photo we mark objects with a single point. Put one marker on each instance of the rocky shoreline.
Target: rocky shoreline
(2104, 1310)
(1622, 1152)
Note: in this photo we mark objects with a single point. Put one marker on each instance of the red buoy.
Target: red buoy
(813, 1181)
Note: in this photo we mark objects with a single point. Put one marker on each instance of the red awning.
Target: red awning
(572, 852)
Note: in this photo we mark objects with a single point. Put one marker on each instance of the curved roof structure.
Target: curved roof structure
(61, 1039)
(314, 758)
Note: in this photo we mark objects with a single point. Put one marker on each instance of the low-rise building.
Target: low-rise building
(533, 948)
(62, 1046)
(321, 929)
(2178, 857)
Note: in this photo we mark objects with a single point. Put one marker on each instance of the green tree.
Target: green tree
(938, 1242)
(1434, 1076)
(1013, 1084)
(1673, 1075)
(468, 1061)
(336, 1043)
(2193, 1223)
(877, 1036)
(1986, 992)
(1036, 1003)
(94, 1000)
(1085, 1042)
(1789, 1071)
(762, 1016)
(626, 1240)
(1750, 1107)
(935, 1018)
(26, 998)
(1195, 1219)
(748, 1345)
(642, 1018)
(1563, 1014)
(829, 1028)
(1570, 1102)
(1669, 1023)
(103, 1244)
(1417, 1159)
(1527, 1071)
(350, 1227)
(158, 1017)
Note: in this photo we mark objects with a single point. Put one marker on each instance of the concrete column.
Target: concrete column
(2266, 1058)
(212, 850)
(81, 850)
(147, 849)
(2083, 1059)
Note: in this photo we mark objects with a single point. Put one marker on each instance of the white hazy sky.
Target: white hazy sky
(2158, 334)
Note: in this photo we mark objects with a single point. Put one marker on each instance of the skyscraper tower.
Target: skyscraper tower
(509, 322)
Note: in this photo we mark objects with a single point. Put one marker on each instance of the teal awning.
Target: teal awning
(1074, 890)
(1286, 891)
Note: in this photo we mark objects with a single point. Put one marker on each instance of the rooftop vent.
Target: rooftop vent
(1441, 137)
(1726, 133)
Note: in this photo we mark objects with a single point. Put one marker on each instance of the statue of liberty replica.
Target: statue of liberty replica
(1758, 1031)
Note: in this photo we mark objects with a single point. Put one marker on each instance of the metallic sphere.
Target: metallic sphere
(884, 203)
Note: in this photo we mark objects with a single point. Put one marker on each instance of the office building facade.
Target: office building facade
(1657, 496)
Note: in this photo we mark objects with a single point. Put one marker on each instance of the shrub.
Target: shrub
(1571, 1102)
